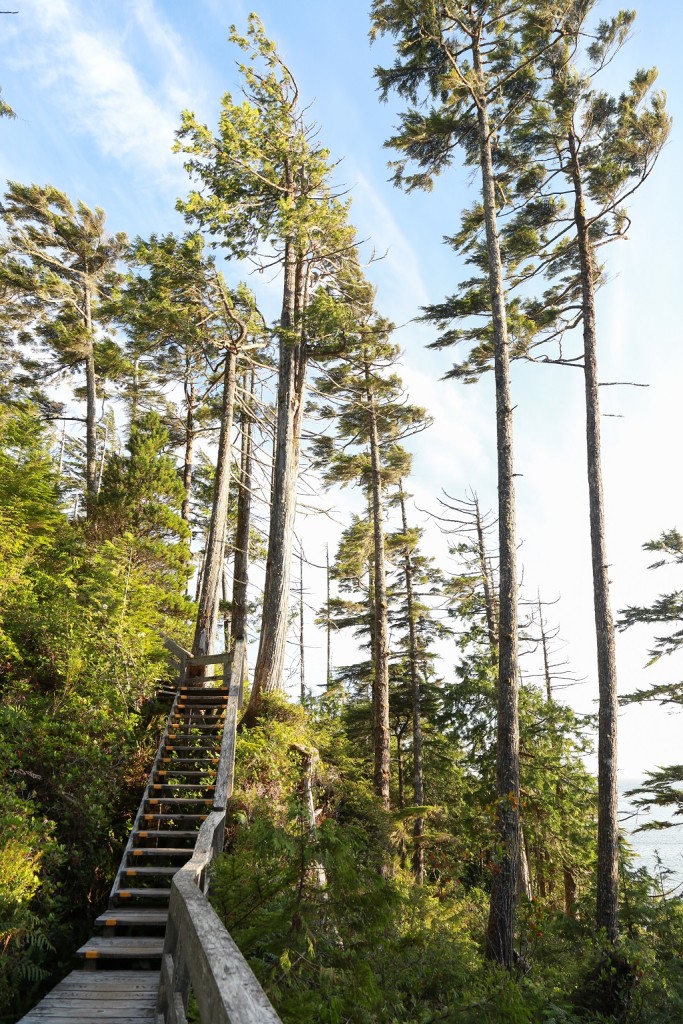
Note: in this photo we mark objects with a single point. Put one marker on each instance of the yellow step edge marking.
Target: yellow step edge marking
(91, 954)
(130, 872)
(143, 835)
(137, 853)
(123, 895)
(111, 922)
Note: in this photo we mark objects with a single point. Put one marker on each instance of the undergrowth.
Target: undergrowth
(368, 946)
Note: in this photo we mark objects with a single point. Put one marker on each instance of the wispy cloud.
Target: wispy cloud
(102, 92)
(402, 288)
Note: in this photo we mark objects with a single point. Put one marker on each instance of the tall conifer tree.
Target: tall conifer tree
(477, 62)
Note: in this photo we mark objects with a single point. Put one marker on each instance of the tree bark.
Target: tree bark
(329, 621)
(380, 690)
(525, 890)
(90, 402)
(302, 646)
(213, 558)
(190, 440)
(607, 907)
(268, 671)
(502, 912)
(418, 770)
(240, 577)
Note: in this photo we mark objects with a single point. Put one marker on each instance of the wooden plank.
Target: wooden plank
(207, 659)
(108, 980)
(150, 916)
(121, 945)
(224, 985)
(90, 1017)
(108, 1009)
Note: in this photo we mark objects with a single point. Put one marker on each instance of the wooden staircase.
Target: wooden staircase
(119, 979)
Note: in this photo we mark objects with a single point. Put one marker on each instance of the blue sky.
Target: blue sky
(98, 88)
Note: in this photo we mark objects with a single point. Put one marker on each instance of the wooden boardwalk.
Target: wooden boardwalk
(85, 997)
(120, 979)
(160, 939)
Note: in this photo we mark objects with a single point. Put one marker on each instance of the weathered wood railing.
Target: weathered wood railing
(199, 954)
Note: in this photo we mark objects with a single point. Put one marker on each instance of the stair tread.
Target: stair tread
(143, 871)
(132, 915)
(193, 786)
(134, 893)
(161, 833)
(163, 772)
(174, 817)
(161, 851)
(155, 800)
(122, 946)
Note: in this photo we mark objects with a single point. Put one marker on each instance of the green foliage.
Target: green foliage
(368, 946)
(79, 655)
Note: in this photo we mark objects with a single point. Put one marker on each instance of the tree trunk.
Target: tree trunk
(399, 768)
(240, 576)
(213, 557)
(90, 403)
(190, 440)
(329, 621)
(546, 658)
(608, 824)
(225, 591)
(268, 671)
(525, 890)
(102, 460)
(380, 690)
(540, 871)
(418, 771)
(302, 647)
(502, 913)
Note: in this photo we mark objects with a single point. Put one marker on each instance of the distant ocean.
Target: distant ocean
(668, 842)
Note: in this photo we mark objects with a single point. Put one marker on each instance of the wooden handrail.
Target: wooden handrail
(198, 951)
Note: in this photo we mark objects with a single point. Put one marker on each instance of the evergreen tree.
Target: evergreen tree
(63, 263)
(601, 150)
(477, 62)
(141, 496)
(266, 181)
(166, 310)
(371, 419)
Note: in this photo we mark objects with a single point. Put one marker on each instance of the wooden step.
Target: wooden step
(204, 752)
(158, 788)
(215, 706)
(160, 851)
(147, 917)
(186, 774)
(185, 816)
(128, 997)
(200, 731)
(151, 834)
(130, 893)
(177, 801)
(155, 871)
(122, 947)
(212, 691)
(189, 760)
